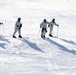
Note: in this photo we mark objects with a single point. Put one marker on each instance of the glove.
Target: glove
(21, 25)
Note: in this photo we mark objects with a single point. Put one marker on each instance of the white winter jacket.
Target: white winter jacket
(52, 24)
(44, 25)
(17, 24)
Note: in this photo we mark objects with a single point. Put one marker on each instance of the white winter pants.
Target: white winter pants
(43, 33)
(17, 29)
(50, 30)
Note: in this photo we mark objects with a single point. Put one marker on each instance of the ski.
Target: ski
(26, 37)
(45, 38)
(21, 38)
(52, 37)
(55, 37)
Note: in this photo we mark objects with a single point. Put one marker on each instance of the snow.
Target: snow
(31, 55)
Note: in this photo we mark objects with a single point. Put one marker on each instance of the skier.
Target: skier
(1, 23)
(43, 25)
(18, 26)
(51, 25)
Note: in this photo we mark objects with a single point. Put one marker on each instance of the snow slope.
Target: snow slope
(33, 55)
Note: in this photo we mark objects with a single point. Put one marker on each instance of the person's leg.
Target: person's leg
(19, 31)
(50, 33)
(41, 34)
(14, 33)
(44, 33)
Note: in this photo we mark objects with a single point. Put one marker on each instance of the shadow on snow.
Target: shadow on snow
(32, 45)
(62, 47)
(5, 41)
(68, 41)
(3, 45)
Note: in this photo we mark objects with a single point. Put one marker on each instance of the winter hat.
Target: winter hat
(44, 20)
(19, 18)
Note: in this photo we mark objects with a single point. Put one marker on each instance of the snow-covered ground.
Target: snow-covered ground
(33, 55)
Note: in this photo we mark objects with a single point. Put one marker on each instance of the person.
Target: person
(43, 25)
(18, 26)
(51, 25)
(1, 23)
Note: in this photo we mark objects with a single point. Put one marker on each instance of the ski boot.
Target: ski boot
(50, 35)
(14, 36)
(20, 36)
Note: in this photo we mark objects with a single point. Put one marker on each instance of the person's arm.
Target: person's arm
(48, 22)
(20, 26)
(56, 24)
(41, 25)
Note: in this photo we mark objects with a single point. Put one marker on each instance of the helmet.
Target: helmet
(19, 18)
(44, 20)
(53, 20)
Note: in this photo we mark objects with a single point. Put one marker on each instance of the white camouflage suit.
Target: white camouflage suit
(17, 27)
(43, 25)
(51, 25)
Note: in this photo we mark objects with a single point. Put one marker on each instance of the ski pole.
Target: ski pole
(3, 28)
(57, 30)
(53, 32)
(39, 32)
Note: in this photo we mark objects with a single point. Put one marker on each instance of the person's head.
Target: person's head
(44, 20)
(53, 20)
(19, 19)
